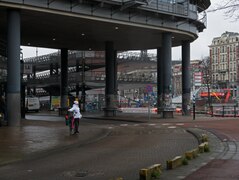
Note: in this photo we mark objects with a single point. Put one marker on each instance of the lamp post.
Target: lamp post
(194, 102)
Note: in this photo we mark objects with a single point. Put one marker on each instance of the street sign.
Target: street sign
(149, 88)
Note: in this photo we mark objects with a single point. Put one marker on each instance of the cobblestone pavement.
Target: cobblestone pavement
(116, 147)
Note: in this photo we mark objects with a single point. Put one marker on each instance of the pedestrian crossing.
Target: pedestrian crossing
(156, 125)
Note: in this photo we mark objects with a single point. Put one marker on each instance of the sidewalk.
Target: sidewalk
(36, 137)
(47, 133)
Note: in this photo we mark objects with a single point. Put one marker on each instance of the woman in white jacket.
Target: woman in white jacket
(77, 115)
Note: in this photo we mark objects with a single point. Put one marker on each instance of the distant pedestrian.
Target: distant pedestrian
(76, 116)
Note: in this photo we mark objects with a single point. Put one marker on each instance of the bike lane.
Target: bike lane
(225, 165)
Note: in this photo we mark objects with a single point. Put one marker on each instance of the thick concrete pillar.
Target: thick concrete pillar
(13, 69)
(110, 98)
(64, 78)
(186, 80)
(166, 73)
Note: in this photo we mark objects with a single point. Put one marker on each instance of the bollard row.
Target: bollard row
(154, 171)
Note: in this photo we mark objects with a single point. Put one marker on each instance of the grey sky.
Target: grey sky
(216, 25)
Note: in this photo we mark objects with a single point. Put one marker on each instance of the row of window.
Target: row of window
(229, 40)
(223, 77)
(223, 58)
(224, 49)
(224, 66)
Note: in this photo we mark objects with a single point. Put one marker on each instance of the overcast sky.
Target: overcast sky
(217, 24)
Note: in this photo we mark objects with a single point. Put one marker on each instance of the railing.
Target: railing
(97, 76)
(90, 57)
(168, 6)
(43, 59)
(136, 56)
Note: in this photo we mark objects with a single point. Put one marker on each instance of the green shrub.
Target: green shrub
(206, 149)
(155, 174)
(185, 161)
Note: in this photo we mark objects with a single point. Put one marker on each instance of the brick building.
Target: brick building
(224, 57)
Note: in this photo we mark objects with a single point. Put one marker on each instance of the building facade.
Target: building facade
(224, 57)
(196, 77)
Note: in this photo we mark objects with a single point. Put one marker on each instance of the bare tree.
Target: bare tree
(229, 7)
(207, 75)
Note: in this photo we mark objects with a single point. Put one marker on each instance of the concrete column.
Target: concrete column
(186, 80)
(83, 93)
(51, 69)
(13, 68)
(110, 107)
(115, 74)
(166, 72)
(34, 72)
(77, 83)
(159, 80)
(64, 78)
(34, 77)
(28, 88)
(57, 66)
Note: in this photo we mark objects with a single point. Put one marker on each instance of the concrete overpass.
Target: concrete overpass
(109, 25)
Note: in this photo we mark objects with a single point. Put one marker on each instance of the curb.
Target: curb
(202, 158)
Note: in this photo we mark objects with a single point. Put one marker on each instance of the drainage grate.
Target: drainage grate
(81, 174)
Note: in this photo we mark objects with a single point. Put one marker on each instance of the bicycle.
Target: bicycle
(69, 121)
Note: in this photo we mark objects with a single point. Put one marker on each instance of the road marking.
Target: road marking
(172, 127)
(152, 124)
(180, 124)
(193, 170)
(123, 124)
(166, 124)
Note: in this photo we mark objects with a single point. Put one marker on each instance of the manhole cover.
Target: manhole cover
(78, 174)
(81, 174)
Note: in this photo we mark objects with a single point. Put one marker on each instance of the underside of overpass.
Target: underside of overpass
(84, 25)
(110, 25)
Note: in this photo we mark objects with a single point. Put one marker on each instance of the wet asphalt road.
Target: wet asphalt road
(119, 150)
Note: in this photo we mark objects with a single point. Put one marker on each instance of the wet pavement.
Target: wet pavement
(118, 146)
